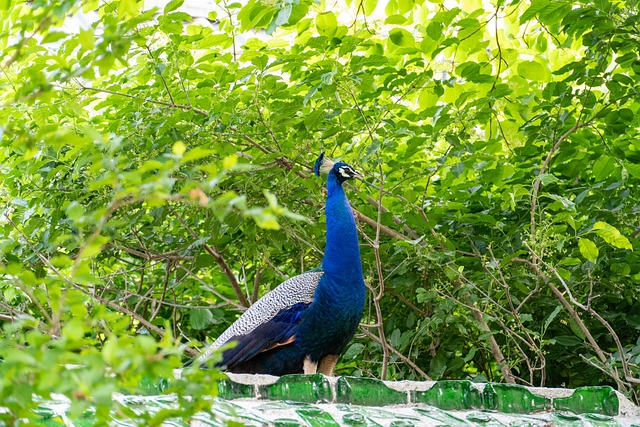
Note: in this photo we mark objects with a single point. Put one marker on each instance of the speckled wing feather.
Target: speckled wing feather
(298, 289)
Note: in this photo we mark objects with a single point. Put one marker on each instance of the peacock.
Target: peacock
(304, 324)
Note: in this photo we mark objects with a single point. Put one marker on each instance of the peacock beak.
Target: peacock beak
(358, 175)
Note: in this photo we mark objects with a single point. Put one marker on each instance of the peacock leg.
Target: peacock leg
(327, 364)
(309, 367)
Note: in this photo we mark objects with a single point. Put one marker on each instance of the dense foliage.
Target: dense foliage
(156, 181)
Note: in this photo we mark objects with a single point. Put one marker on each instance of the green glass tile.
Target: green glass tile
(151, 386)
(601, 420)
(511, 398)
(479, 417)
(207, 420)
(367, 391)
(457, 395)
(598, 400)
(401, 423)
(599, 417)
(441, 416)
(368, 415)
(84, 422)
(487, 420)
(529, 421)
(299, 388)
(316, 417)
(226, 409)
(174, 423)
(228, 389)
(44, 412)
(566, 420)
(287, 422)
(354, 420)
(276, 405)
(50, 422)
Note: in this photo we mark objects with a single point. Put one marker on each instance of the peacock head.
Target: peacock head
(341, 170)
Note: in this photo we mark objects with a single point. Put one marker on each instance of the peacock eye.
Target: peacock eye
(345, 172)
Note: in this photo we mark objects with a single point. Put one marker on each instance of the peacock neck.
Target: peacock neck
(342, 253)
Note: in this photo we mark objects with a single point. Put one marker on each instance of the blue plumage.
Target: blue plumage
(276, 332)
(304, 324)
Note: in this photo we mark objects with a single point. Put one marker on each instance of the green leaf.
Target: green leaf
(94, 247)
(179, 148)
(75, 211)
(197, 153)
(218, 40)
(427, 98)
(283, 15)
(401, 37)
(200, 318)
(86, 38)
(588, 249)
(53, 37)
(255, 15)
(603, 167)
(633, 169)
(566, 340)
(369, 6)
(327, 24)
(73, 330)
(611, 235)
(536, 7)
(353, 351)
(575, 328)
(438, 366)
(172, 5)
(271, 199)
(435, 30)
(267, 221)
(533, 71)
(127, 8)
(551, 317)
(547, 178)
(563, 202)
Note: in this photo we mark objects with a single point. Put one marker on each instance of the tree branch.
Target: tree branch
(383, 228)
(222, 263)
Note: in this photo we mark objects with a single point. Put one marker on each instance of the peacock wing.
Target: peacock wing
(298, 289)
(278, 331)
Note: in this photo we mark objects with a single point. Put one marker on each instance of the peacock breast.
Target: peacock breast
(333, 317)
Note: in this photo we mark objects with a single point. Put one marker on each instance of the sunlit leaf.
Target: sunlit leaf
(326, 23)
(611, 235)
(401, 37)
(588, 249)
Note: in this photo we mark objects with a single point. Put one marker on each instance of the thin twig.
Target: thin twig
(25, 40)
(211, 289)
(152, 101)
(574, 315)
(164, 82)
(102, 300)
(380, 292)
(401, 356)
(545, 164)
(222, 263)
